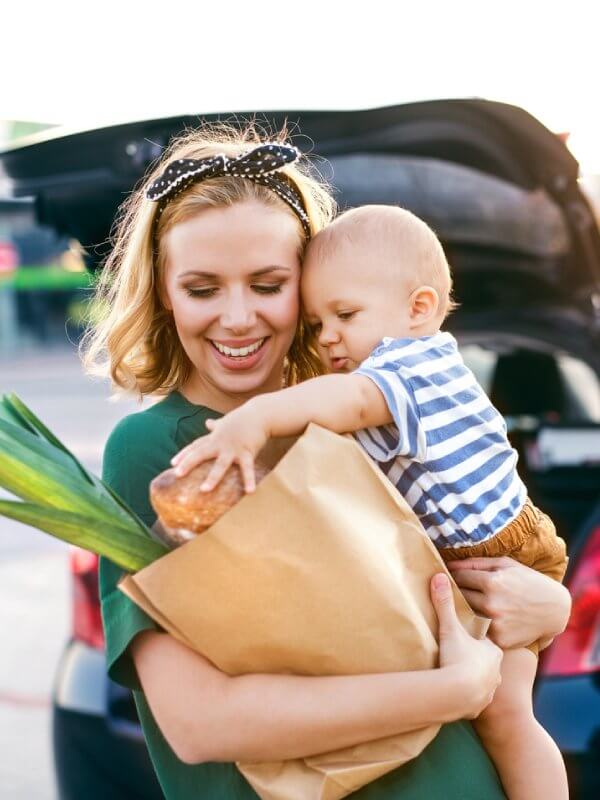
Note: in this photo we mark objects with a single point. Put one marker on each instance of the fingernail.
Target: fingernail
(440, 582)
(205, 487)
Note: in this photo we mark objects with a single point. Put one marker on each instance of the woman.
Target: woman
(201, 301)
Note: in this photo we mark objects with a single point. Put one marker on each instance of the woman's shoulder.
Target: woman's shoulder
(159, 425)
(136, 452)
(142, 444)
(138, 431)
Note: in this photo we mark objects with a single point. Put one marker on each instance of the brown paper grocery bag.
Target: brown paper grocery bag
(324, 570)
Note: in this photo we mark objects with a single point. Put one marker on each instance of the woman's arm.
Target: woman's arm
(206, 715)
(523, 604)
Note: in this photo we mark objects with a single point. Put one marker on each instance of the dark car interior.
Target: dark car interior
(539, 391)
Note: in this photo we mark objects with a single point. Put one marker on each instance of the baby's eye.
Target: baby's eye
(345, 315)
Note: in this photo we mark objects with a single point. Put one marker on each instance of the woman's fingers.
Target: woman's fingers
(472, 579)
(443, 602)
(481, 564)
(475, 599)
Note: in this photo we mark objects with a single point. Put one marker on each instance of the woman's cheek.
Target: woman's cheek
(196, 315)
(284, 311)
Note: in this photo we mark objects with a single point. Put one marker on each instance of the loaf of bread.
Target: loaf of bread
(184, 511)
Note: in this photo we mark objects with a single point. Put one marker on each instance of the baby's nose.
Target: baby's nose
(327, 336)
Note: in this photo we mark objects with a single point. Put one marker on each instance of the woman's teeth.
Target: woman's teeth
(238, 352)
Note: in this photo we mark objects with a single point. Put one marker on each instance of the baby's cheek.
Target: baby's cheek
(363, 345)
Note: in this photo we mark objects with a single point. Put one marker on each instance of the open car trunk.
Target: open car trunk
(499, 189)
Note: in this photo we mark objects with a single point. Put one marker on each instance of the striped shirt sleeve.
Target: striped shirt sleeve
(405, 436)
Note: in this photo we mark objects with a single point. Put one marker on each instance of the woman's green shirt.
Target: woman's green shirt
(453, 767)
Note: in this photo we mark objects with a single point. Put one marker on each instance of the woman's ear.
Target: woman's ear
(424, 305)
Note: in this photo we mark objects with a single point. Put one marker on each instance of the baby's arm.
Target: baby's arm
(340, 403)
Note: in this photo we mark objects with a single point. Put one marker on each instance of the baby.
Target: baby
(376, 289)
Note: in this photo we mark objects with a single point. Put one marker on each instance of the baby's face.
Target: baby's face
(351, 305)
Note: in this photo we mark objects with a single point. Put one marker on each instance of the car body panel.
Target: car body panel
(82, 682)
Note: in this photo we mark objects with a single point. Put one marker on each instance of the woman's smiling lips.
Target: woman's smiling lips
(238, 353)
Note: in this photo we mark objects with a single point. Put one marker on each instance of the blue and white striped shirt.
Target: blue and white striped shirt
(446, 451)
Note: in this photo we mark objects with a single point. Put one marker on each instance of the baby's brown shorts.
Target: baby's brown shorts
(530, 539)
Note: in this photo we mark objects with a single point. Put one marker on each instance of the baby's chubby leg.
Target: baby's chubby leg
(527, 759)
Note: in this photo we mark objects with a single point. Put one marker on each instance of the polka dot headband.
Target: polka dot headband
(259, 165)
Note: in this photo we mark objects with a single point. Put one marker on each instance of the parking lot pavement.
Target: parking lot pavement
(34, 580)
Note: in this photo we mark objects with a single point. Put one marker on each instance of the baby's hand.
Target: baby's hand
(234, 439)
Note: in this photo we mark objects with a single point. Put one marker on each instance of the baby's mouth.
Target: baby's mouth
(339, 364)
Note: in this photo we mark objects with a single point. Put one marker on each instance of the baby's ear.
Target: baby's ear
(424, 304)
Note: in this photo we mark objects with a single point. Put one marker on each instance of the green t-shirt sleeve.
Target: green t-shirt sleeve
(135, 453)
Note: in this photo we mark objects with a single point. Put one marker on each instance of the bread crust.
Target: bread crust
(179, 503)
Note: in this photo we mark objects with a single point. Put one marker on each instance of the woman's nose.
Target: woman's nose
(239, 314)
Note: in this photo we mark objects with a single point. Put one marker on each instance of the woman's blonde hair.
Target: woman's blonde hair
(132, 337)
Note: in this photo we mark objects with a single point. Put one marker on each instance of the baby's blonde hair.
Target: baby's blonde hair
(410, 248)
(132, 337)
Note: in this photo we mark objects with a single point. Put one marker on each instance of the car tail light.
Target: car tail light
(577, 650)
(87, 622)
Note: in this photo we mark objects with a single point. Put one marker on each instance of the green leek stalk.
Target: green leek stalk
(59, 496)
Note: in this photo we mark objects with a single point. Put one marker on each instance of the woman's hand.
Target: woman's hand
(475, 662)
(523, 604)
(234, 439)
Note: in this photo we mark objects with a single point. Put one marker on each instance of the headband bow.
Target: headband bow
(259, 165)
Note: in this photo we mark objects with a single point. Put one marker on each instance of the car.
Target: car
(502, 193)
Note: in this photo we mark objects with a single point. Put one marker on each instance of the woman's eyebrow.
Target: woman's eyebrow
(198, 274)
(212, 275)
(265, 271)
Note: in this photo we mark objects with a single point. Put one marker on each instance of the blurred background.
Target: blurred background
(132, 62)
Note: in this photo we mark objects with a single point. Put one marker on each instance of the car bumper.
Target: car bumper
(97, 753)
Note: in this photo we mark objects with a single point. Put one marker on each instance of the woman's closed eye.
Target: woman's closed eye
(267, 288)
(209, 291)
(201, 291)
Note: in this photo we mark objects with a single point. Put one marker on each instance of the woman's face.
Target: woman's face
(231, 282)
